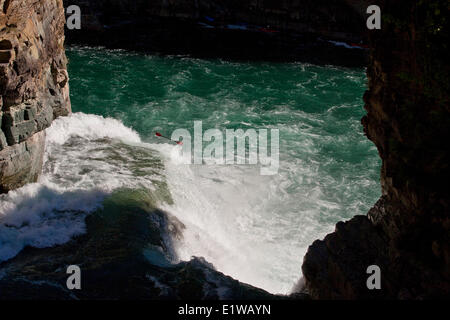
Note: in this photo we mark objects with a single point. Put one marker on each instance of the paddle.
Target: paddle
(161, 136)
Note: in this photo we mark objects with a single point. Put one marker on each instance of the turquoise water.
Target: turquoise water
(254, 228)
(328, 170)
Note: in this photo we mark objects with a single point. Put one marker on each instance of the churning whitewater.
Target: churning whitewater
(252, 227)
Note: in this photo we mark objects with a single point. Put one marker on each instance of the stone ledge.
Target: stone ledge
(22, 163)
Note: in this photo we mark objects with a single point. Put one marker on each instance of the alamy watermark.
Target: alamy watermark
(230, 147)
(73, 17)
(374, 280)
(74, 280)
(374, 20)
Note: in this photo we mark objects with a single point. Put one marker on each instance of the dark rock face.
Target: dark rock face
(126, 253)
(33, 85)
(342, 258)
(336, 18)
(277, 30)
(407, 232)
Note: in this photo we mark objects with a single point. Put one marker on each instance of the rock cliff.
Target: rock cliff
(336, 18)
(407, 232)
(33, 85)
(266, 30)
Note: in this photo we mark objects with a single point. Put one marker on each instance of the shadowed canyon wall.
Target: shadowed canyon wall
(407, 232)
(33, 85)
(287, 30)
(334, 18)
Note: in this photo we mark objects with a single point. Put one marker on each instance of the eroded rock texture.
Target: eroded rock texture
(33, 85)
(407, 232)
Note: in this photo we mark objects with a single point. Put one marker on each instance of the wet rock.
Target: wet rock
(126, 253)
(21, 163)
(33, 85)
(279, 31)
(407, 232)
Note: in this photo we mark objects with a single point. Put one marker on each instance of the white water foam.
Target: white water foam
(254, 228)
(90, 127)
(52, 211)
(258, 228)
(242, 222)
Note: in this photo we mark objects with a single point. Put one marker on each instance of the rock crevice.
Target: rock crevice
(34, 86)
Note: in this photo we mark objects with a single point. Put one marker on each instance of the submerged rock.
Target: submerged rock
(126, 253)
